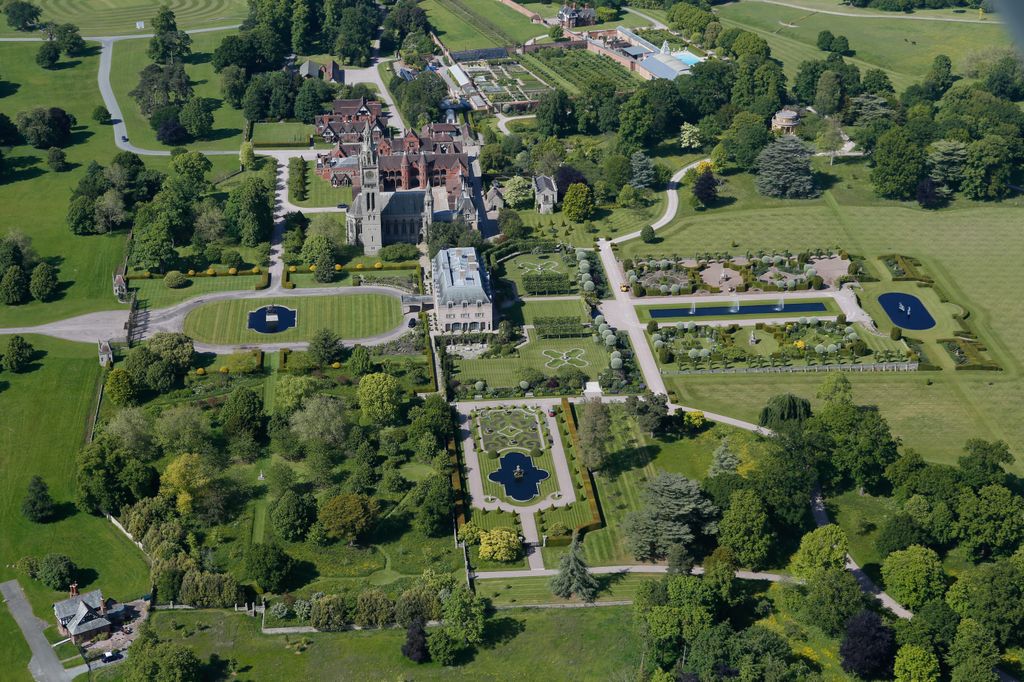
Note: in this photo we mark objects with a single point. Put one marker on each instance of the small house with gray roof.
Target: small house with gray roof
(545, 193)
(83, 617)
(462, 291)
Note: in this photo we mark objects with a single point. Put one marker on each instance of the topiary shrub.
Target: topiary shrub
(492, 454)
(896, 334)
(176, 280)
(535, 452)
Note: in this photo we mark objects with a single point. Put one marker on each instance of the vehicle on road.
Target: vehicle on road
(124, 138)
(342, 205)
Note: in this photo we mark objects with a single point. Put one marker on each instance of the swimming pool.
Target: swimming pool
(906, 311)
(687, 57)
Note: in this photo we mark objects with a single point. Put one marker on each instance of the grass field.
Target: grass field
(45, 413)
(351, 317)
(153, 294)
(14, 651)
(518, 646)
(471, 24)
(129, 58)
(545, 355)
(118, 17)
(319, 192)
(903, 48)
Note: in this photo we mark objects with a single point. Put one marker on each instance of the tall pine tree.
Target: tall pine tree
(574, 577)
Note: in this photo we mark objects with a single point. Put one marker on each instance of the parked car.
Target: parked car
(124, 138)
(342, 206)
(412, 322)
(110, 656)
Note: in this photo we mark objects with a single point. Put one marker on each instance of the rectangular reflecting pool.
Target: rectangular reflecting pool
(744, 309)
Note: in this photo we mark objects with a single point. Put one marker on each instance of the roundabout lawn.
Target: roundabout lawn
(351, 317)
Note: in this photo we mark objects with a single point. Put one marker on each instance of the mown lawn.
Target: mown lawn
(35, 199)
(320, 193)
(45, 412)
(130, 58)
(519, 645)
(526, 312)
(903, 48)
(528, 591)
(118, 17)
(351, 317)
(935, 412)
(14, 651)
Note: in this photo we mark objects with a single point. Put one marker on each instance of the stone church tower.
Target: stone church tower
(372, 228)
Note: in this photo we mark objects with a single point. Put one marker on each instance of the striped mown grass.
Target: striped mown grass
(154, 294)
(524, 591)
(351, 317)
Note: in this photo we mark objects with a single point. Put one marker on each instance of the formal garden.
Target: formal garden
(807, 342)
(514, 449)
(504, 80)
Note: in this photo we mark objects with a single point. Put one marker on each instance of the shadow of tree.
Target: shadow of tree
(501, 630)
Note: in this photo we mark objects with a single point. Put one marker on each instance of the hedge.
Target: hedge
(264, 281)
(588, 484)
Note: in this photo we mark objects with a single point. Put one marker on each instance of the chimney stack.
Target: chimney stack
(73, 591)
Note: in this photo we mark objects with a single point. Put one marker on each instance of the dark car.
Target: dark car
(110, 656)
(342, 205)
(124, 138)
(412, 322)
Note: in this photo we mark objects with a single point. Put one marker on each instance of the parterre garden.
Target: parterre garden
(505, 80)
(500, 430)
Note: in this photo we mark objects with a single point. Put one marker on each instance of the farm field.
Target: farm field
(574, 70)
(470, 24)
(129, 58)
(517, 643)
(62, 387)
(878, 43)
(935, 419)
(118, 17)
(351, 317)
(546, 355)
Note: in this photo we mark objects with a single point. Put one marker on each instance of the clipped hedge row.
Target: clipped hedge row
(230, 272)
(588, 484)
(456, 479)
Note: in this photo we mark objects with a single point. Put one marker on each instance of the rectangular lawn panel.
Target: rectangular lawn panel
(320, 193)
(351, 317)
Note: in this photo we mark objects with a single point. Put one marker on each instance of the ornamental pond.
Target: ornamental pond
(906, 311)
(519, 476)
(271, 319)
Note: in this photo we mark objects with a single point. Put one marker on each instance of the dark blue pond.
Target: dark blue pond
(521, 486)
(906, 311)
(748, 309)
(271, 319)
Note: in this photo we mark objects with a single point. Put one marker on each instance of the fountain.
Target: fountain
(735, 305)
(271, 319)
(693, 308)
(782, 304)
(518, 473)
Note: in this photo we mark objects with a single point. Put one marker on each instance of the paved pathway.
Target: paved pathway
(633, 568)
(820, 514)
(504, 120)
(44, 666)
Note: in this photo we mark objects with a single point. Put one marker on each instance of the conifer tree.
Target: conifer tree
(574, 577)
